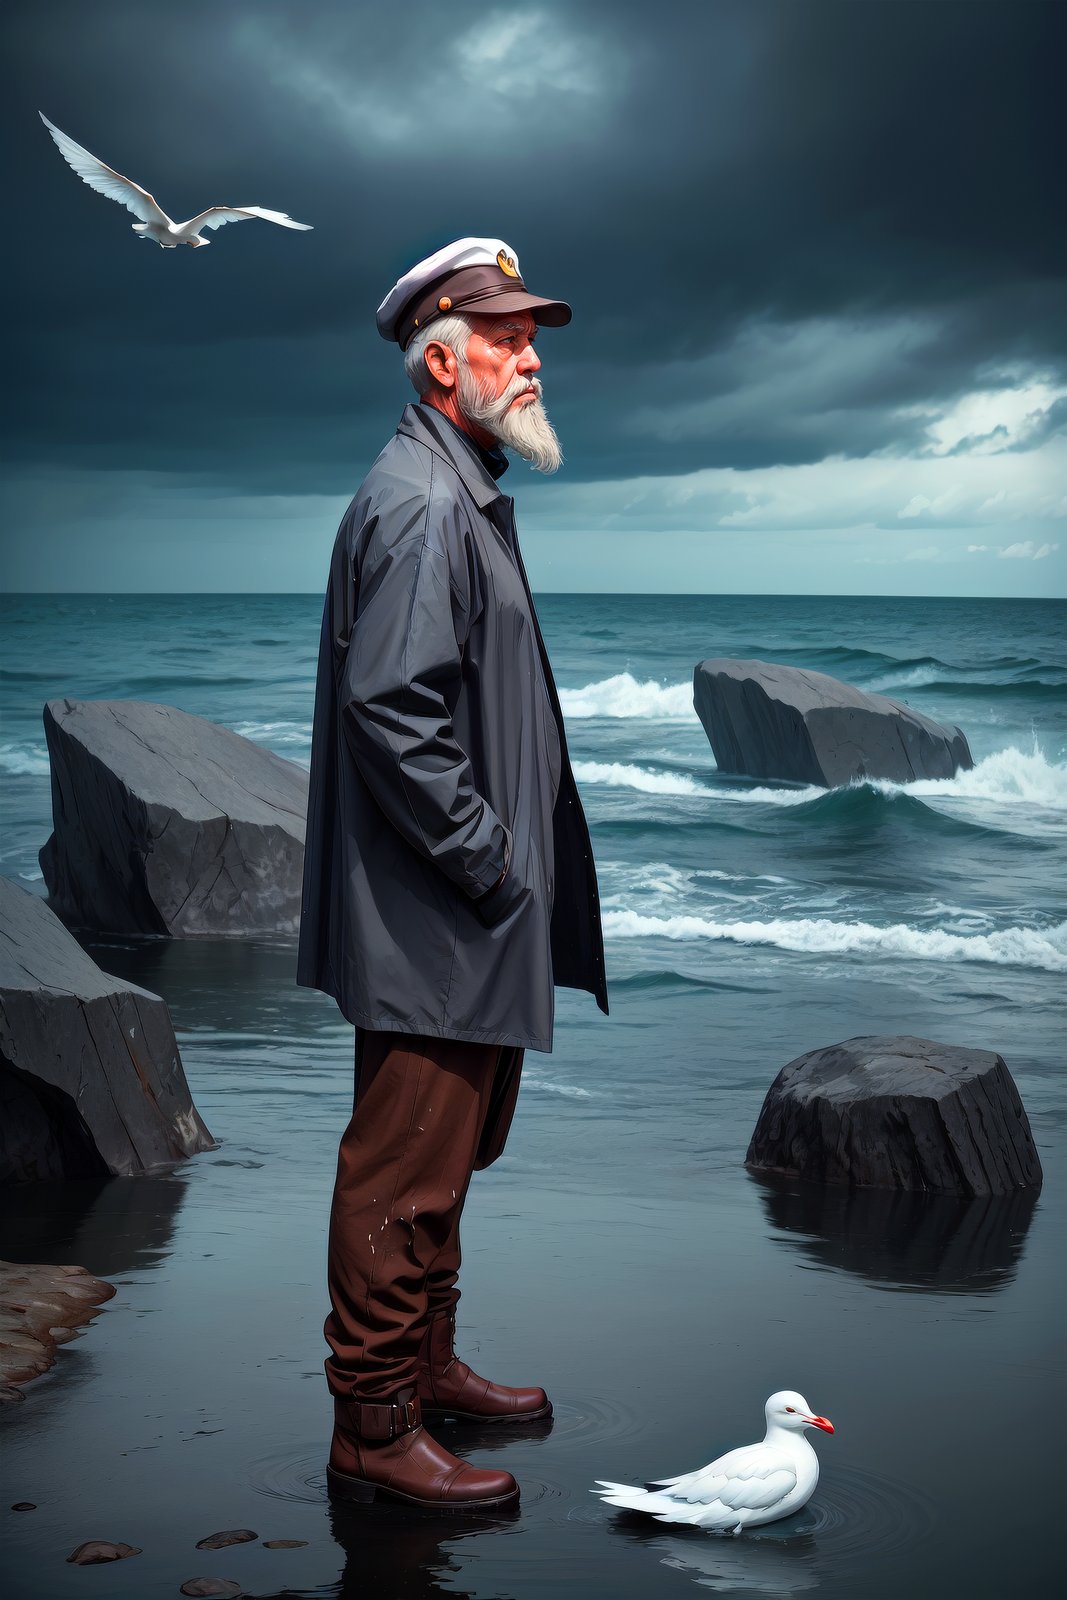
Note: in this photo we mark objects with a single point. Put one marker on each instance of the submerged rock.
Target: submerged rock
(165, 823)
(898, 1112)
(211, 1586)
(41, 1306)
(219, 1541)
(91, 1081)
(771, 721)
(94, 1550)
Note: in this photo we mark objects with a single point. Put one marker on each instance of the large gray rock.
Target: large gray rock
(165, 823)
(91, 1082)
(898, 1112)
(770, 721)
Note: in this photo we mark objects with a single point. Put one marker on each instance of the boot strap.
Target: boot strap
(387, 1420)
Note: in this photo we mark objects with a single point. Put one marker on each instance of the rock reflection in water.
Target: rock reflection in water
(902, 1239)
(108, 1225)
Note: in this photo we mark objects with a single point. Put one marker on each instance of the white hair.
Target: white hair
(455, 331)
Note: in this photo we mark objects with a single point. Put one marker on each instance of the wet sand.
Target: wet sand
(618, 1253)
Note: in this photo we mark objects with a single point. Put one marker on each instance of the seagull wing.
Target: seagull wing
(104, 179)
(216, 216)
(723, 1495)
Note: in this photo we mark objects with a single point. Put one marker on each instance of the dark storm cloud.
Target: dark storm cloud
(784, 227)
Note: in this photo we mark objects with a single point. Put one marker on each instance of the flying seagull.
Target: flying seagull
(154, 223)
(755, 1484)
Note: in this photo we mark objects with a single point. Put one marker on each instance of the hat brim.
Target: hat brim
(547, 313)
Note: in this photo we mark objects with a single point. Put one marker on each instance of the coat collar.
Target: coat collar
(433, 429)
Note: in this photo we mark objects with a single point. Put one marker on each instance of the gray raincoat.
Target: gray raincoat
(438, 754)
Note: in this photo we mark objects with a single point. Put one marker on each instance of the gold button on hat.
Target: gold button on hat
(468, 275)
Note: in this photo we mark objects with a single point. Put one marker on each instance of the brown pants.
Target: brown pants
(428, 1112)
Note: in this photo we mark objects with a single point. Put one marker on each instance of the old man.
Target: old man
(449, 881)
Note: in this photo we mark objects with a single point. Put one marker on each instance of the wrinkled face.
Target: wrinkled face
(500, 352)
(497, 388)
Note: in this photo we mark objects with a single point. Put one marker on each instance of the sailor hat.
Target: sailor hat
(469, 275)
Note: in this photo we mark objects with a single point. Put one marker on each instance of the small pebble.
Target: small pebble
(221, 1586)
(24, 1505)
(94, 1550)
(219, 1541)
(283, 1544)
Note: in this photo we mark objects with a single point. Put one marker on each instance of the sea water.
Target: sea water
(618, 1252)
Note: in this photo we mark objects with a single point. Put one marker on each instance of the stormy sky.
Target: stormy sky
(816, 252)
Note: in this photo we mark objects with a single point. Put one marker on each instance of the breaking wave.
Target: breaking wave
(1041, 949)
(624, 775)
(1010, 777)
(624, 696)
(25, 759)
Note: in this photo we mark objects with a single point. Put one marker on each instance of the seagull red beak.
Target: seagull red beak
(822, 1422)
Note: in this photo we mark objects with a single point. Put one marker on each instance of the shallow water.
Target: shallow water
(618, 1252)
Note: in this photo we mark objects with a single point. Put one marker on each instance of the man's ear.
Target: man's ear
(441, 363)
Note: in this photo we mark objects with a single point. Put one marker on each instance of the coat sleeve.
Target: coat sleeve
(399, 686)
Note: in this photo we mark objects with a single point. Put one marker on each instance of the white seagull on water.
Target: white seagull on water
(154, 223)
(757, 1483)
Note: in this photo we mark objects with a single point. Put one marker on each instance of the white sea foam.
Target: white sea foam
(275, 733)
(1044, 949)
(910, 678)
(24, 758)
(760, 795)
(624, 696)
(623, 775)
(569, 1091)
(1008, 777)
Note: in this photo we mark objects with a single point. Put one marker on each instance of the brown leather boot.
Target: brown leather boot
(383, 1449)
(448, 1388)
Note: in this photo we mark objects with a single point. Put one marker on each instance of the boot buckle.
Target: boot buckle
(385, 1420)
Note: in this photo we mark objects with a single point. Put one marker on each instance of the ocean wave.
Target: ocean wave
(1008, 777)
(625, 696)
(1041, 949)
(624, 775)
(272, 733)
(25, 759)
(1027, 688)
(532, 1079)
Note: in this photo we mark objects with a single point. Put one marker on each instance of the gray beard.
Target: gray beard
(525, 429)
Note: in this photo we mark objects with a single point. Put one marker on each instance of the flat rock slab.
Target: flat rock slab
(94, 1550)
(771, 721)
(165, 823)
(91, 1081)
(219, 1541)
(41, 1306)
(898, 1112)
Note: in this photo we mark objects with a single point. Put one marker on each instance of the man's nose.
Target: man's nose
(529, 361)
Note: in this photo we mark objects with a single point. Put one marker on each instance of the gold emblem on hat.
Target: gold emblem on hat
(444, 304)
(506, 263)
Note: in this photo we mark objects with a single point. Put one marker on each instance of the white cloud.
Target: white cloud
(939, 493)
(989, 421)
(920, 503)
(1026, 551)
